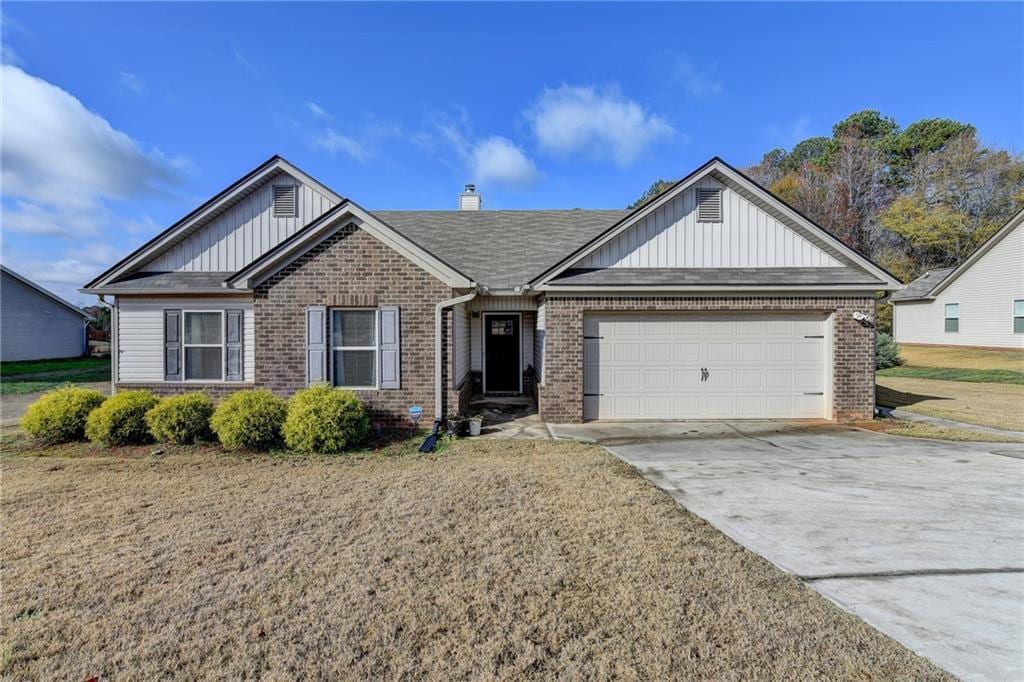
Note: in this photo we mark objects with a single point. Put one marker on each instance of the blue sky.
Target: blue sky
(120, 118)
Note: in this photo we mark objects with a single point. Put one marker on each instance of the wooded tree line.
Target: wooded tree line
(913, 199)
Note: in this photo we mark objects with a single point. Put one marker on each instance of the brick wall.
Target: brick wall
(561, 395)
(217, 391)
(350, 268)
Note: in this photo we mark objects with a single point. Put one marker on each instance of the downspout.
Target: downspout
(438, 347)
(114, 359)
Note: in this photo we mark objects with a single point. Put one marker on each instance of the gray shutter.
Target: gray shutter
(233, 367)
(172, 345)
(316, 344)
(390, 348)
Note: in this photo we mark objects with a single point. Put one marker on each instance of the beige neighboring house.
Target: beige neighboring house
(979, 304)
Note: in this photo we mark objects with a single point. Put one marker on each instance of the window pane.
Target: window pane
(1018, 325)
(354, 328)
(1018, 308)
(203, 363)
(355, 368)
(952, 325)
(952, 310)
(202, 328)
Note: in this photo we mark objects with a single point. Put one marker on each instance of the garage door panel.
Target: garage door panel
(648, 366)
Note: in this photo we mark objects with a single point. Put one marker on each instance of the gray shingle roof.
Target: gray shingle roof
(919, 288)
(501, 249)
(185, 281)
(714, 276)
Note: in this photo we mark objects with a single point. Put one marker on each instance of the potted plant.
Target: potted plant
(475, 422)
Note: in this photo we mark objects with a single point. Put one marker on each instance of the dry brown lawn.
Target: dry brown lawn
(965, 358)
(494, 559)
(899, 427)
(998, 405)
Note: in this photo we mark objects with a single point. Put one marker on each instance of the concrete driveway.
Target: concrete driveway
(922, 539)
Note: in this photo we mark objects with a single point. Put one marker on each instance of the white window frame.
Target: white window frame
(1015, 315)
(185, 346)
(375, 348)
(946, 318)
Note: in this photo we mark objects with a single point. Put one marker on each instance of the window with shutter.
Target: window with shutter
(285, 201)
(709, 205)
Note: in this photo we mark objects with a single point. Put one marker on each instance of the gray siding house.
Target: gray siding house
(712, 300)
(36, 324)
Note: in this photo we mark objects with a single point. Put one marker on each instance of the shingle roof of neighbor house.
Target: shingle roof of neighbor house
(919, 288)
(501, 249)
(714, 276)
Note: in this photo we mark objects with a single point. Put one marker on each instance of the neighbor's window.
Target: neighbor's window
(1018, 317)
(952, 317)
(354, 346)
(204, 345)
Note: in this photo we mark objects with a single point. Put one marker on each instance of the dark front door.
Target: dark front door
(501, 354)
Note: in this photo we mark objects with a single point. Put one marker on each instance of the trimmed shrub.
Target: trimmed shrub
(250, 419)
(887, 353)
(181, 419)
(325, 420)
(59, 416)
(121, 419)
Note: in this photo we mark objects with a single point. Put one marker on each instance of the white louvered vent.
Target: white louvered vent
(709, 205)
(285, 201)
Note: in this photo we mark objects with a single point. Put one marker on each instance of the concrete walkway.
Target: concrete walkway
(923, 539)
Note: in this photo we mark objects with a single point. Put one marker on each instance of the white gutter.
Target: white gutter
(113, 341)
(438, 318)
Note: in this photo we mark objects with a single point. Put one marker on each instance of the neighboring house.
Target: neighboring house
(36, 324)
(713, 300)
(980, 303)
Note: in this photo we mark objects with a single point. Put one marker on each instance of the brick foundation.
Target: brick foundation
(561, 395)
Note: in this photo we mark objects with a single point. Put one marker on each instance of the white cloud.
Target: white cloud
(9, 56)
(571, 120)
(790, 133)
(245, 63)
(492, 159)
(333, 142)
(64, 274)
(317, 110)
(62, 163)
(132, 82)
(499, 160)
(700, 84)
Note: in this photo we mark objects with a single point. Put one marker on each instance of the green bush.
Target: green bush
(59, 416)
(181, 419)
(887, 353)
(121, 419)
(324, 419)
(250, 419)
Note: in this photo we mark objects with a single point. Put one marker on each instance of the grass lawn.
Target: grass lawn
(962, 358)
(19, 378)
(998, 405)
(983, 376)
(492, 559)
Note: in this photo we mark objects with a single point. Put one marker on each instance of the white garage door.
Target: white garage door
(654, 366)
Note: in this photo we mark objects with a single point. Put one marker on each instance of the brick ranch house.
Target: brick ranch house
(714, 300)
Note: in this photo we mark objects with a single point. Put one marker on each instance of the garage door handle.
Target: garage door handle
(593, 337)
(704, 374)
(592, 395)
(814, 336)
(818, 393)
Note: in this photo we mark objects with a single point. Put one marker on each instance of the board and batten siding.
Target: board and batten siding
(985, 293)
(35, 327)
(244, 232)
(140, 334)
(671, 237)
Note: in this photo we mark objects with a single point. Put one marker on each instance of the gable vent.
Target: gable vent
(285, 201)
(709, 205)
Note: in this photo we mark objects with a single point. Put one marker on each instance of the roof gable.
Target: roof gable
(43, 292)
(761, 231)
(243, 205)
(1012, 226)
